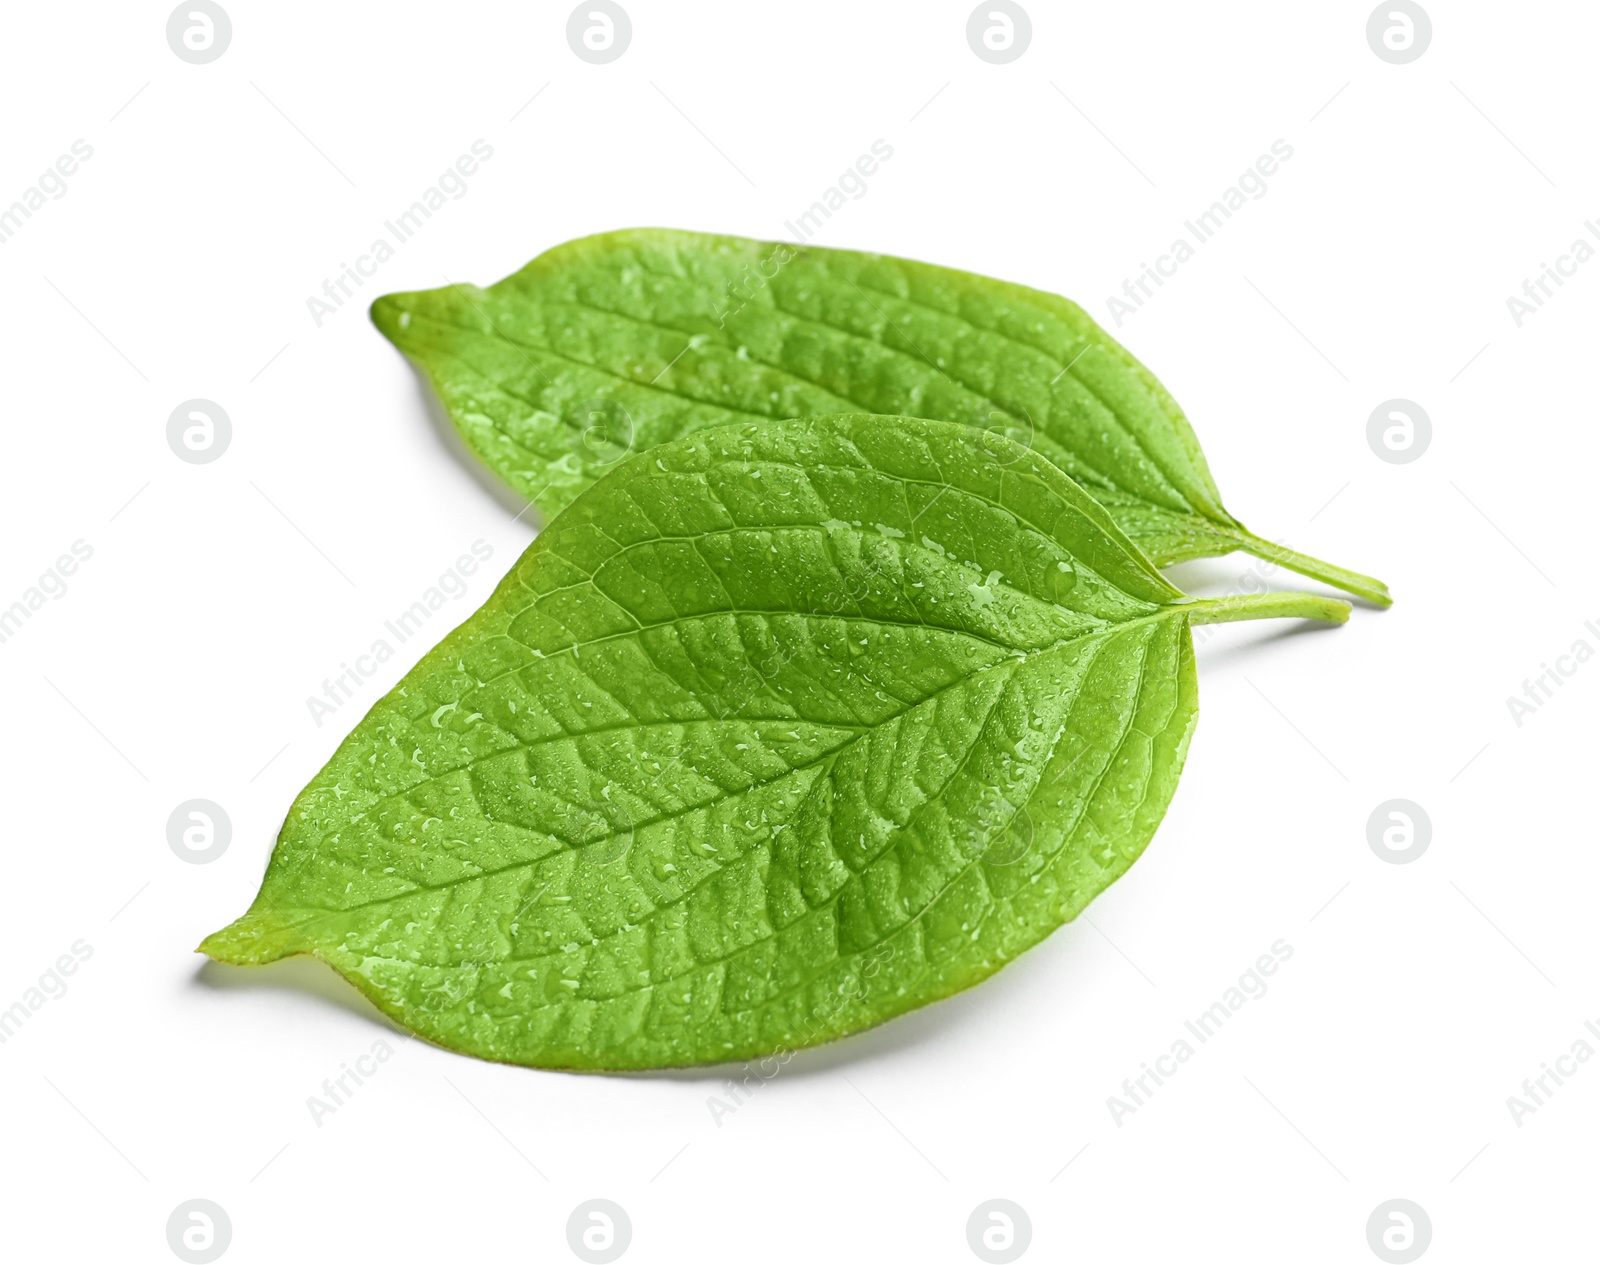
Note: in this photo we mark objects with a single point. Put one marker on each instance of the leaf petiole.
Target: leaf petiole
(1227, 610)
(1363, 586)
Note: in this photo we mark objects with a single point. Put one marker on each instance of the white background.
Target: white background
(220, 596)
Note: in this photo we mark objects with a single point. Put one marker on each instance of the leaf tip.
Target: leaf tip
(256, 938)
(386, 313)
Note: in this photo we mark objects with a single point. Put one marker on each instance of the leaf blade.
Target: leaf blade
(737, 758)
(628, 339)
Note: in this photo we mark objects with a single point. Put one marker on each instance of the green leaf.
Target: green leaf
(779, 730)
(615, 343)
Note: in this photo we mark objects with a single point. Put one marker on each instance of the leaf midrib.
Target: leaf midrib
(841, 957)
(824, 266)
(1051, 359)
(915, 356)
(379, 803)
(635, 827)
(797, 528)
(1012, 661)
(786, 372)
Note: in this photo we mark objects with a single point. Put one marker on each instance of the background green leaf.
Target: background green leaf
(778, 731)
(617, 342)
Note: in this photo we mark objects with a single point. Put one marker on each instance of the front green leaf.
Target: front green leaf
(617, 342)
(779, 730)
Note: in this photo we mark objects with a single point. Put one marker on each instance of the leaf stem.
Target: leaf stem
(1362, 586)
(1226, 610)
